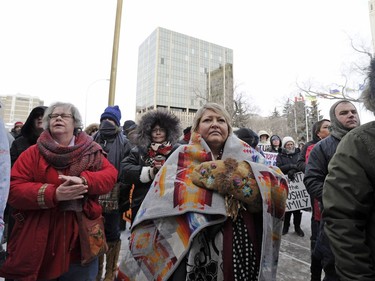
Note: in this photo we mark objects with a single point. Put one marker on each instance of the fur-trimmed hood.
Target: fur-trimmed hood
(165, 119)
(92, 128)
(368, 95)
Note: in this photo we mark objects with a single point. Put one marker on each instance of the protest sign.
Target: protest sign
(270, 158)
(298, 197)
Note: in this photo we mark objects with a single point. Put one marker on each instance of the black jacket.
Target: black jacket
(28, 136)
(301, 161)
(131, 166)
(287, 162)
(317, 165)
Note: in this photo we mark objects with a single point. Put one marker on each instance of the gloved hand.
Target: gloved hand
(291, 174)
(229, 177)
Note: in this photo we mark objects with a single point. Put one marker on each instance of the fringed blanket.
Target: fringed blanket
(175, 211)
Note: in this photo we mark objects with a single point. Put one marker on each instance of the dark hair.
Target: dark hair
(318, 125)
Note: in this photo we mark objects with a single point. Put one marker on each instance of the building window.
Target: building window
(162, 61)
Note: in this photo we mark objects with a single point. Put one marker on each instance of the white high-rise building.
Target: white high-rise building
(17, 108)
(180, 73)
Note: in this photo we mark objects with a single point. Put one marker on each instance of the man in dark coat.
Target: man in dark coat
(348, 197)
(344, 117)
(112, 140)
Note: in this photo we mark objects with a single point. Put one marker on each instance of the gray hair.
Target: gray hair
(67, 106)
(217, 108)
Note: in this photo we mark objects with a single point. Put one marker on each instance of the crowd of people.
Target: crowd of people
(204, 202)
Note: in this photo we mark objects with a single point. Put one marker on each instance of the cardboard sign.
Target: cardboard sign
(298, 197)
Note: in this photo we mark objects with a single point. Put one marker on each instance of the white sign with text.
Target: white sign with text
(298, 197)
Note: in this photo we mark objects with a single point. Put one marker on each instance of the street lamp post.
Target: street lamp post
(87, 93)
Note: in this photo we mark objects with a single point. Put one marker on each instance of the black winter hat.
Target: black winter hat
(248, 136)
(128, 124)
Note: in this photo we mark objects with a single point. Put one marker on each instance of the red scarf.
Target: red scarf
(157, 149)
(85, 154)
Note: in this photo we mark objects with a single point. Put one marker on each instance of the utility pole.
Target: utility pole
(116, 40)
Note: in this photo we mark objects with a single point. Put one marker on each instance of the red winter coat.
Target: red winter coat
(44, 240)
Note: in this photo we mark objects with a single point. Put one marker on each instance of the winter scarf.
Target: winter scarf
(112, 140)
(338, 130)
(83, 155)
(155, 149)
(109, 132)
(175, 212)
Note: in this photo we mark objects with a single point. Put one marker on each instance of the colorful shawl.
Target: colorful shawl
(175, 211)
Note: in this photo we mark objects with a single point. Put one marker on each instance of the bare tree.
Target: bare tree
(243, 108)
(355, 75)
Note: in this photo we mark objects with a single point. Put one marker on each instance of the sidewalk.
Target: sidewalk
(294, 256)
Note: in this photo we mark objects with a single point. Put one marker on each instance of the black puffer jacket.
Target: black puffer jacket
(133, 165)
(287, 162)
(317, 166)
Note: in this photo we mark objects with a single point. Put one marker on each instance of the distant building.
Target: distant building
(17, 108)
(181, 73)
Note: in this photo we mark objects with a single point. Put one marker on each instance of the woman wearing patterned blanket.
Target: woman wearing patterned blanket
(212, 190)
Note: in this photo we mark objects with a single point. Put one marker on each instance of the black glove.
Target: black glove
(291, 174)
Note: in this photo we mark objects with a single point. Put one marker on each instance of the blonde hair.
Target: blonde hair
(217, 108)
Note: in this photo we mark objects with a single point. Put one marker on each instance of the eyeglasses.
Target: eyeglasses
(161, 130)
(62, 115)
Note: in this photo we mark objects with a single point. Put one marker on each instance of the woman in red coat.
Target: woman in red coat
(63, 173)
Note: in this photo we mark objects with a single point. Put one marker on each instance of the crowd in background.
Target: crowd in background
(187, 191)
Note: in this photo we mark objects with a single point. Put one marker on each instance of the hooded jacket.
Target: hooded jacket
(29, 135)
(272, 147)
(348, 197)
(133, 166)
(317, 166)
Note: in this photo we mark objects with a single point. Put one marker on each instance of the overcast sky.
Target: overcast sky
(61, 50)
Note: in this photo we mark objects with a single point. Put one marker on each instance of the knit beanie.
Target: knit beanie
(113, 113)
(287, 139)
